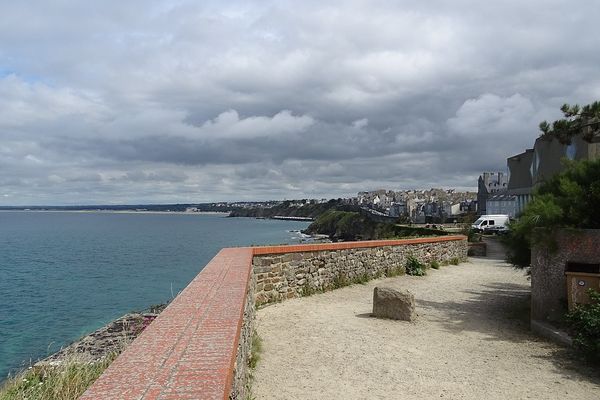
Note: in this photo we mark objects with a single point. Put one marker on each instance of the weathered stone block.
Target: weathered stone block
(393, 304)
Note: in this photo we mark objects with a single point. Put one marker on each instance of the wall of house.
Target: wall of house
(502, 204)
(548, 282)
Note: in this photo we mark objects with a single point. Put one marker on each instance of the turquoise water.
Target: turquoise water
(65, 274)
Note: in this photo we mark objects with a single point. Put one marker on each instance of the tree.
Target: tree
(570, 199)
(583, 121)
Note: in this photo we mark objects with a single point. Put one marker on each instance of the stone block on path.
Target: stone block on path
(393, 304)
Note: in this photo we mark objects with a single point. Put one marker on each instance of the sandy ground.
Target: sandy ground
(470, 341)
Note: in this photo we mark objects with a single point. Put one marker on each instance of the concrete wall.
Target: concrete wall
(519, 169)
(548, 282)
(295, 274)
(548, 156)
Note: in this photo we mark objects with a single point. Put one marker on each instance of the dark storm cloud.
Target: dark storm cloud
(182, 101)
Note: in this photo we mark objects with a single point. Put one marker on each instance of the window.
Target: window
(491, 222)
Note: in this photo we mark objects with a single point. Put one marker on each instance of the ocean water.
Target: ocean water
(65, 274)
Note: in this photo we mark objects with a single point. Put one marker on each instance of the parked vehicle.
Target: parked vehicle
(494, 223)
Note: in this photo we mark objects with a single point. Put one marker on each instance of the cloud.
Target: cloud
(492, 114)
(181, 101)
(229, 125)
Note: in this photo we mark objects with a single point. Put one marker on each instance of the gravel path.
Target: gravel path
(471, 341)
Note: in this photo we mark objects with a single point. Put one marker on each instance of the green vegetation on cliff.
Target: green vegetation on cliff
(289, 209)
(350, 225)
(66, 381)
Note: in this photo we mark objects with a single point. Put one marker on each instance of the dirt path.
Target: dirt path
(471, 341)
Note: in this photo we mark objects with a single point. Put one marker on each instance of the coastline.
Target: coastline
(106, 340)
(224, 213)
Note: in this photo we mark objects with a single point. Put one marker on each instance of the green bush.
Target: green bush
(435, 264)
(570, 199)
(585, 323)
(471, 234)
(414, 267)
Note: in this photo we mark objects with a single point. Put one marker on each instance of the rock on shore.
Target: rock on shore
(111, 338)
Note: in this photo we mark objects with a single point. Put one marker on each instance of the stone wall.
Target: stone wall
(478, 249)
(298, 273)
(548, 282)
(241, 371)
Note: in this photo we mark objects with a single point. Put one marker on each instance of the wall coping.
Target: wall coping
(305, 248)
(189, 350)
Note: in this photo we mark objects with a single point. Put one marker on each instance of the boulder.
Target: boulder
(393, 304)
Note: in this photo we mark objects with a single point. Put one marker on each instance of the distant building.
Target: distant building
(520, 182)
(502, 204)
(489, 183)
(455, 209)
(397, 209)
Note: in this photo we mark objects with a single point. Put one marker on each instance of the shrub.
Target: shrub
(414, 267)
(471, 234)
(455, 261)
(585, 323)
(435, 264)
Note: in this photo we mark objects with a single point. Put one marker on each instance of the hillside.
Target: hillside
(349, 226)
(290, 209)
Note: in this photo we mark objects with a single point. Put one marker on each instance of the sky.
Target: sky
(123, 102)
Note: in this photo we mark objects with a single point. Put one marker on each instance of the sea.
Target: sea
(65, 274)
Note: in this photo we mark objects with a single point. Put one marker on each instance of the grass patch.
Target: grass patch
(255, 350)
(339, 281)
(361, 279)
(65, 382)
(309, 290)
(455, 261)
(397, 271)
(434, 264)
(414, 267)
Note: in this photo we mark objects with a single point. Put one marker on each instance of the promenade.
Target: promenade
(471, 341)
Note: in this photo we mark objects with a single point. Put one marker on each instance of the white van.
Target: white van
(497, 223)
